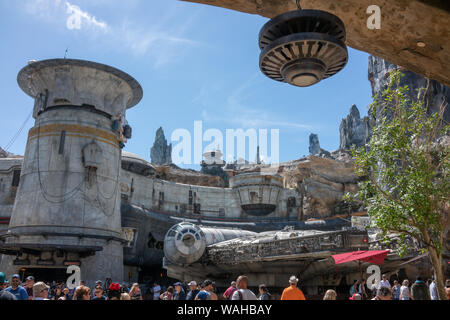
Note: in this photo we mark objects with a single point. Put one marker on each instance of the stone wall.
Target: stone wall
(169, 196)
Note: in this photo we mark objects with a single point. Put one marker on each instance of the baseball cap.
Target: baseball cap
(192, 283)
(39, 286)
(98, 281)
(178, 284)
(15, 276)
(293, 279)
(30, 278)
(2, 277)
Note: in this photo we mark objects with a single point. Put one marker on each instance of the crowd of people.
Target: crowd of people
(238, 290)
(32, 290)
(419, 290)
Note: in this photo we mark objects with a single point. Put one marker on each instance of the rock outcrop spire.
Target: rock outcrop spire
(161, 152)
(354, 130)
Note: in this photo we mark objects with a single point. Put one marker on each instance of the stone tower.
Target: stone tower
(67, 208)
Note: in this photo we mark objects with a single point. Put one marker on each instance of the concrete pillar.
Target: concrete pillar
(68, 201)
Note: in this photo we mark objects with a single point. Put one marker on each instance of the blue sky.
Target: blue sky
(194, 62)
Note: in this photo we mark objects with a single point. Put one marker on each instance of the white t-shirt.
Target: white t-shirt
(404, 292)
(246, 295)
(384, 283)
(433, 291)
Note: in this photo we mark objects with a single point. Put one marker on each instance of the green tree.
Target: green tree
(406, 167)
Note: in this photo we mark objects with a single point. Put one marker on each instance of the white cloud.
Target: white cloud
(78, 17)
(162, 41)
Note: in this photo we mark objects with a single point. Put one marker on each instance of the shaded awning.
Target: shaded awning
(372, 256)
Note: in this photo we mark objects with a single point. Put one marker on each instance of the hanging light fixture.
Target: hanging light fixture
(302, 47)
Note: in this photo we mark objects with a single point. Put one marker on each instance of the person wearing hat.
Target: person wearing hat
(16, 289)
(98, 293)
(193, 291)
(292, 292)
(40, 291)
(5, 295)
(179, 293)
(3, 281)
(29, 283)
(114, 291)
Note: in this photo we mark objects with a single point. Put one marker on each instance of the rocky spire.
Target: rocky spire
(314, 145)
(161, 152)
(258, 157)
(354, 130)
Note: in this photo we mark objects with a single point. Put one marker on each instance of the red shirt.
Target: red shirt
(228, 292)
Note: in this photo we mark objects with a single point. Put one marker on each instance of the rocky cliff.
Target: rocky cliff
(322, 182)
(436, 93)
(355, 130)
(161, 152)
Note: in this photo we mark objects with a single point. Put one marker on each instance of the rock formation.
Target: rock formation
(314, 146)
(161, 152)
(354, 130)
(435, 96)
(188, 176)
(322, 182)
(6, 154)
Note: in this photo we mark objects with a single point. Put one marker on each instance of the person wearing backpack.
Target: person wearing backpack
(243, 293)
(264, 293)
